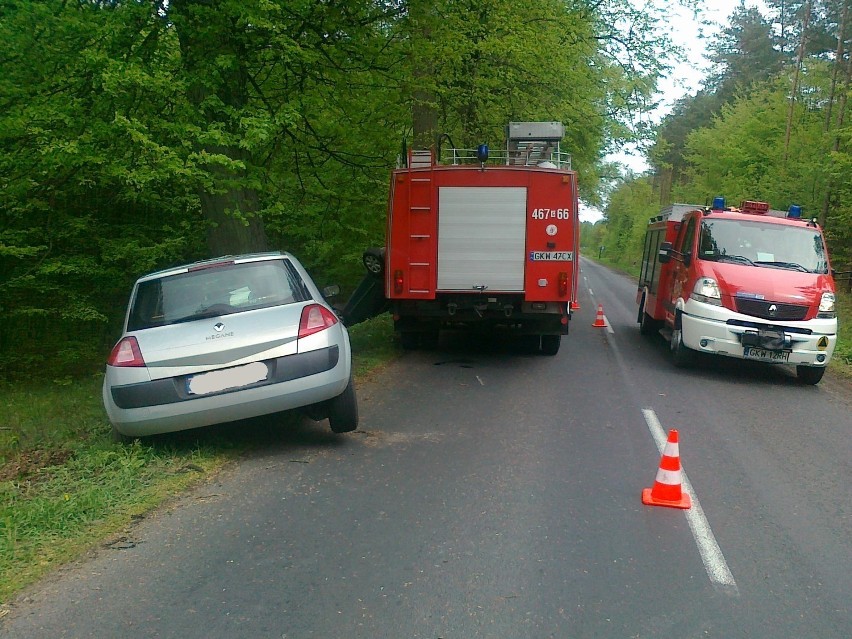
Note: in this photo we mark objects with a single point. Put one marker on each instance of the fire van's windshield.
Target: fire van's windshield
(762, 245)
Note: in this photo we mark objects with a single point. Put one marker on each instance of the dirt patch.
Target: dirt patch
(31, 462)
(379, 438)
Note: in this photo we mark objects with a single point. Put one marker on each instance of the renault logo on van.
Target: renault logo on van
(218, 326)
(773, 309)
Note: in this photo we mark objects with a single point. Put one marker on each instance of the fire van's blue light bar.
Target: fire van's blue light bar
(795, 211)
(718, 203)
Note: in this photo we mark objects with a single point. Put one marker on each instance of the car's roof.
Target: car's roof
(246, 257)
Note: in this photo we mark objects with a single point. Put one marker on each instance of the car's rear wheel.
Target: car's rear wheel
(343, 410)
(374, 262)
(120, 438)
(810, 374)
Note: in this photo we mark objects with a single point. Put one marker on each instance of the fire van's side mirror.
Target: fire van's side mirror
(687, 258)
(665, 252)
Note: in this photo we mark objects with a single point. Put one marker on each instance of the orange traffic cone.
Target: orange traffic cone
(600, 322)
(667, 486)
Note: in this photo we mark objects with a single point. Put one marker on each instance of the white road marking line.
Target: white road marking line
(711, 555)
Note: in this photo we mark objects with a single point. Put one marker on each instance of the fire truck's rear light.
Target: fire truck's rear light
(563, 283)
(397, 281)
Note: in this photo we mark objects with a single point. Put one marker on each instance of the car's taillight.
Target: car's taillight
(315, 318)
(563, 284)
(126, 353)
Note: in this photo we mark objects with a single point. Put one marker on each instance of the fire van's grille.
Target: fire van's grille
(771, 310)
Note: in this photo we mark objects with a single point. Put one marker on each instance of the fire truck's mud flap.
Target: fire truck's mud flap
(366, 302)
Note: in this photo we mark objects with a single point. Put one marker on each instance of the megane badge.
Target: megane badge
(218, 326)
(773, 309)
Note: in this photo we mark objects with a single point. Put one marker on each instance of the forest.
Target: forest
(770, 123)
(135, 135)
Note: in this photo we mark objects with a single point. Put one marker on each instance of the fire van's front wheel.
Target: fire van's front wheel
(682, 355)
(810, 374)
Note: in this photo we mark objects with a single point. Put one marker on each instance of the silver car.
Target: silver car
(227, 339)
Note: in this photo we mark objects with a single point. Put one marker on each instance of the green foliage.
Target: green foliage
(631, 205)
(148, 134)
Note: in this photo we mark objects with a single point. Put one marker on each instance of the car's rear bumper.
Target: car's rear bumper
(162, 406)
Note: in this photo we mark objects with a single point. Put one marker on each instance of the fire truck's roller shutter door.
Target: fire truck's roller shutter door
(481, 238)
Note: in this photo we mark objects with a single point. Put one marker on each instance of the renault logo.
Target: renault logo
(773, 309)
(218, 326)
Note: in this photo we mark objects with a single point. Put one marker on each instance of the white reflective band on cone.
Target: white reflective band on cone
(668, 477)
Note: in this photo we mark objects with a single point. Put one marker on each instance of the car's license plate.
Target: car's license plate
(766, 355)
(236, 377)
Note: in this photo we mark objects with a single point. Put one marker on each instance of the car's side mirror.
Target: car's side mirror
(665, 254)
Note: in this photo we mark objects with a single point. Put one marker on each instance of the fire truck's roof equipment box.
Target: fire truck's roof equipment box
(541, 131)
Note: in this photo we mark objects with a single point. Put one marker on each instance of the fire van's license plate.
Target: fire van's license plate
(551, 256)
(236, 377)
(764, 355)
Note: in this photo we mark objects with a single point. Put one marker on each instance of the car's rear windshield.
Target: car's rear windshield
(213, 291)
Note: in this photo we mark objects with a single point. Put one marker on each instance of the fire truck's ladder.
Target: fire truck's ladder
(422, 226)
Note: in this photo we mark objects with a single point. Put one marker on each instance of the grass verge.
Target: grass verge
(66, 487)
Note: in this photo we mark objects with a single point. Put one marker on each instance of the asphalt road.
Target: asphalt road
(494, 493)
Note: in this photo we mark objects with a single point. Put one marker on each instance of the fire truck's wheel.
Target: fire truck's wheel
(810, 374)
(550, 344)
(430, 339)
(343, 410)
(374, 262)
(409, 340)
(682, 356)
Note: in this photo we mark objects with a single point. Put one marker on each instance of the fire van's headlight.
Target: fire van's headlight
(707, 290)
(826, 306)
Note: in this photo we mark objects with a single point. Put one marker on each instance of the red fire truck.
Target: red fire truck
(483, 239)
(749, 282)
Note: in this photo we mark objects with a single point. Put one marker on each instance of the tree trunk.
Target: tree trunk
(838, 64)
(799, 58)
(424, 113)
(207, 34)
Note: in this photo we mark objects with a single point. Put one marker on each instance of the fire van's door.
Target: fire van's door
(481, 238)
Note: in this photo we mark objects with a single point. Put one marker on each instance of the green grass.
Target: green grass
(842, 360)
(65, 486)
